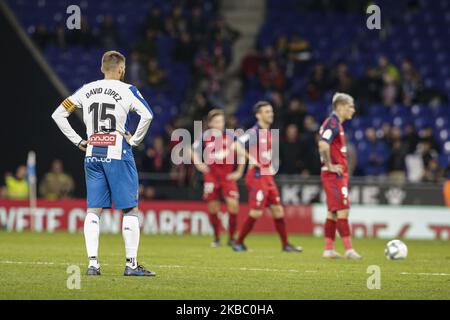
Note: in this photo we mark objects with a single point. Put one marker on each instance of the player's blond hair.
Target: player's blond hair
(340, 97)
(111, 60)
(214, 113)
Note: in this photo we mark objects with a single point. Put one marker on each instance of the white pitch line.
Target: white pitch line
(264, 269)
(426, 274)
(159, 266)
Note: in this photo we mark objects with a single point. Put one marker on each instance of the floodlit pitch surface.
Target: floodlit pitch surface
(33, 266)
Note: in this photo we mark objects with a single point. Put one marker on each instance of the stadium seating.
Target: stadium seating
(422, 41)
(77, 65)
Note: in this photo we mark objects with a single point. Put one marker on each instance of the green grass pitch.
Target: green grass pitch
(33, 266)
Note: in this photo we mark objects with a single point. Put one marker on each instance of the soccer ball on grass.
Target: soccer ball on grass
(396, 250)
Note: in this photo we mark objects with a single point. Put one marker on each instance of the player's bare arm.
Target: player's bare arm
(324, 150)
(198, 163)
(237, 174)
(243, 154)
(127, 136)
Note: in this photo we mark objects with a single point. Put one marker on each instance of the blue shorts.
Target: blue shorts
(111, 180)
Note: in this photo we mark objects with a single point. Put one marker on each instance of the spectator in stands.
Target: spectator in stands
(170, 29)
(390, 91)
(60, 37)
(250, 65)
(3, 192)
(386, 132)
(310, 129)
(298, 56)
(222, 31)
(108, 33)
(277, 100)
(203, 63)
(391, 135)
(17, 185)
(429, 157)
(83, 37)
(411, 138)
(272, 77)
(291, 153)
(318, 82)
(149, 193)
(56, 184)
(185, 49)
(374, 159)
(370, 87)
(432, 172)
(157, 157)
(269, 54)
(135, 71)
(313, 163)
(342, 80)
(427, 134)
(299, 50)
(396, 162)
(411, 83)
(282, 48)
(310, 125)
(215, 82)
(154, 20)
(197, 25)
(178, 20)
(387, 69)
(147, 46)
(296, 113)
(232, 122)
(200, 107)
(155, 75)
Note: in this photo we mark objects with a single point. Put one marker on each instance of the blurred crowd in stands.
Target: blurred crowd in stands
(205, 45)
(55, 184)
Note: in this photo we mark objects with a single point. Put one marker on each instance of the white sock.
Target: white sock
(131, 234)
(91, 235)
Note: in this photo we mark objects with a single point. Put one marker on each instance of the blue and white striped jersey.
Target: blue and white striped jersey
(106, 105)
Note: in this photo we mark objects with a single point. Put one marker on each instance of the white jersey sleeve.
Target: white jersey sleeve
(141, 107)
(61, 114)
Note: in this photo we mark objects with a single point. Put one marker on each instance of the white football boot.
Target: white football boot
(331, 254)
(352, 254)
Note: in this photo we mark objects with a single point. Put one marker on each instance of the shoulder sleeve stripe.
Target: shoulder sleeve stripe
(141, 99)
(69, 105)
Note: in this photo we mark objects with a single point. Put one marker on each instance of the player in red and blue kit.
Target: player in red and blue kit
(262, 189)
(334, 176)
(220, 173)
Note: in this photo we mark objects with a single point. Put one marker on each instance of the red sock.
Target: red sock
(246, 228)
(344, 231)
(215, 223)
(232, 225)
(281, 229)
(330, 234)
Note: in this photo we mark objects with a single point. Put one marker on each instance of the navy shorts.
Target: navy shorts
(111, 181)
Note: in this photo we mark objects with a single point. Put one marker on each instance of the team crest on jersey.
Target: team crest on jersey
(220, 154)
(327, 134)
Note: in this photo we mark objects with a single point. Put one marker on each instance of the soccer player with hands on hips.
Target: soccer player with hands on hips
(334, 176)
(110, 170)
(256, 147)
(220, 173)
